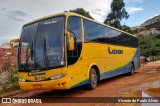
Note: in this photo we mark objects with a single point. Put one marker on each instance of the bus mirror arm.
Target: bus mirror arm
(70, 41)
(11, 45)
(67, 33)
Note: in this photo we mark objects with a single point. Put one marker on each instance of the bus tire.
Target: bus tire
(92, 79)
(132, 69)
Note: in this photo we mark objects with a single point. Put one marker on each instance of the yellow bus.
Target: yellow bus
(67, 50)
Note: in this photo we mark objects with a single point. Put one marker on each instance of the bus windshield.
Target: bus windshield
(42, 45)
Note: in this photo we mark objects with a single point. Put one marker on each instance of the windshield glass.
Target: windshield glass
(42, 45)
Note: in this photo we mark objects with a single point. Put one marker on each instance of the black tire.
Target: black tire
(132, 69)
(92, 79)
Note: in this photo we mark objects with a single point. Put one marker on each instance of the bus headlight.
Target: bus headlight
(22, 79)
(57, 76)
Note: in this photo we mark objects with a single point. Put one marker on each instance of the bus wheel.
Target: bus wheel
(132, 69)
(92, 79)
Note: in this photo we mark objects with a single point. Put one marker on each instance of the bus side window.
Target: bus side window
(75, 28)
(90, 31)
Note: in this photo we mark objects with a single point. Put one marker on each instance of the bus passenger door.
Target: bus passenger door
(74, 61)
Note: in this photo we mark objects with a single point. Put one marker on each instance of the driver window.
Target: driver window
(75, 28)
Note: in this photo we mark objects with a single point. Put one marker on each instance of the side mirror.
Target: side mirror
(70, 41)
(11, 45)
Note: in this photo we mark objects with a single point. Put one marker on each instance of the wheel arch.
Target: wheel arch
(95, 66)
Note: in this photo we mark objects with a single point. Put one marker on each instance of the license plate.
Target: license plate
(37, 86)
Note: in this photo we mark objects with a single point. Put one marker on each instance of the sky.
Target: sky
(15, 13)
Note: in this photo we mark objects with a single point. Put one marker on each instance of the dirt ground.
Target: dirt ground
(146, 80)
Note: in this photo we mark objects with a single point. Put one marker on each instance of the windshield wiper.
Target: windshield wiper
(28, 55)
(45, 54)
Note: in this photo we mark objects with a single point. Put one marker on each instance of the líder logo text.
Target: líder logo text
(114, 51)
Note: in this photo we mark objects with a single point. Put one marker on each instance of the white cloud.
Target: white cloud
(132, 10)
(100, 13)
(19, 12)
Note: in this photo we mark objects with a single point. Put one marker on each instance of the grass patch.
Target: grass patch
(9, 88)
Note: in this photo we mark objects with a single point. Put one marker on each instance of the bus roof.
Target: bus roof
(74, 14)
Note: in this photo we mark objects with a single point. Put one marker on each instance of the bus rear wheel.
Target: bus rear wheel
(132, 69)
(92, 79)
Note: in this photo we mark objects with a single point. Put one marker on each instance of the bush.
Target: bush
(14, 87)
(150, 45)
(8, 67)
(7, 88)
(9, 73)
(4, 89)
(9, 76)
(13, 78)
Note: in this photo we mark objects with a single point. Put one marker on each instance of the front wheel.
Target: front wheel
(92, 79)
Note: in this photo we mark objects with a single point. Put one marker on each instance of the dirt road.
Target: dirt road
(146, 79)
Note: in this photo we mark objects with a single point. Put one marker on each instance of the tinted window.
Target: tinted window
(74, 25)
(104, 34)
(75, 28)
(90, 31)
(114, 36)
(27, 40)
(43, 44)
(127, 40)
(49, 41)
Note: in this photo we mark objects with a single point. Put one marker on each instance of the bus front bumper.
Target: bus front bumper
(45, 85)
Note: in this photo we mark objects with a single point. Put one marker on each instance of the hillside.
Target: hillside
(149, 36)
(152, 22)
(149, 27)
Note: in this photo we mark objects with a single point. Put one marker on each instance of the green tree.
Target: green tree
(118, 12)
(81, 11)
(150, 45)
(126, 28)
